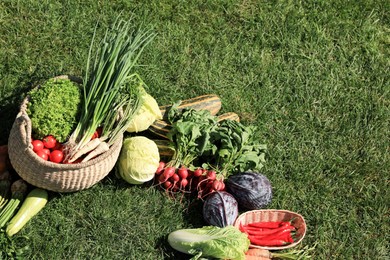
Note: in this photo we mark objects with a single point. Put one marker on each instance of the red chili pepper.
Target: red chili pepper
(266, 242)
(283, 235)
(242, 228)
(255, 229)
(252, 231)
(266, 224)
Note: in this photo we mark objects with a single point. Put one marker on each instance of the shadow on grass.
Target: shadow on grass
(9, 107)
(8, 112)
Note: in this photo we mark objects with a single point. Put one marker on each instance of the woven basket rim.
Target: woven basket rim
(242, 216)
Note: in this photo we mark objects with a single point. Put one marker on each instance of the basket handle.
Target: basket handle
(24, 123)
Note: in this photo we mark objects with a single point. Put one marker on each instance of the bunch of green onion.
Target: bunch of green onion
(111, 89)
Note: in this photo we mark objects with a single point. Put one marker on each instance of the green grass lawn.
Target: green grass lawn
(313, 76)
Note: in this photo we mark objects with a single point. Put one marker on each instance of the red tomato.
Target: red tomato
(47, 151)
(37, 145)
(49, 141)
(58, 146)
(43, 155)
(56, 156)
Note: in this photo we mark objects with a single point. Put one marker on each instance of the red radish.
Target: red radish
(175, 178)
(198, 172)
(211, 175)
(218, 185)
(159, 170)
(183, 183)
(167, 184)
(161, 164)
(56, 156)
(169, 171)
(183, 172)
(37, 145)
(162, 178)
(49, 142)
(43, 155)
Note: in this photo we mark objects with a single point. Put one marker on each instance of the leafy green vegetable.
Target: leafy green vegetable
(190, 133)
(237, 148)
(229, 146)
(138, 160)
(210, 241)
(54, 108)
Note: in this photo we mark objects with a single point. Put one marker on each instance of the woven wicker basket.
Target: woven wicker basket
(53, 176)
(274, 215)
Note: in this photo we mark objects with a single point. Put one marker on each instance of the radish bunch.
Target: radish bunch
(199, 182)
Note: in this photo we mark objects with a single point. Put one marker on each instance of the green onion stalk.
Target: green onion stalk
(110, 88)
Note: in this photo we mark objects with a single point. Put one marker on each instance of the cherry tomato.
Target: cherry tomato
(46, 150)
(43, 155)
(58, 146)
(95, 135)
(56, 156)
(49, 141)
(37, 145)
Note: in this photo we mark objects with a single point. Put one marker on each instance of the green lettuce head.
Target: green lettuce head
(211, 241)
(138, 160)
(146, 115)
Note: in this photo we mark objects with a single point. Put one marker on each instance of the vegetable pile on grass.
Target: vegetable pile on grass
(214, 159)
(218, 162)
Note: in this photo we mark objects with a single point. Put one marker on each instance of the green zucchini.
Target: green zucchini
(35, 200)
